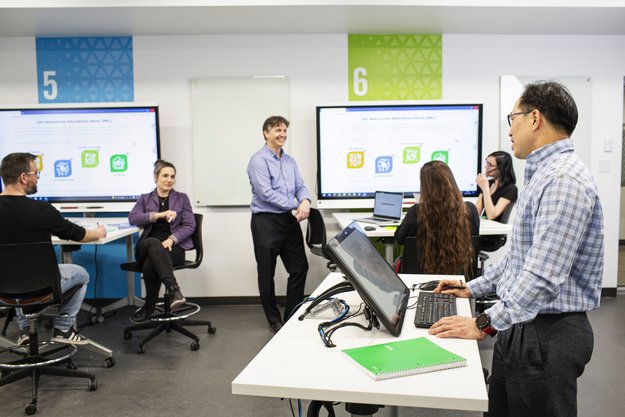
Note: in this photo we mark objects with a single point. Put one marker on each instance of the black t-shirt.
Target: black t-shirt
(25, 220)
(160, 229)
(509, 192)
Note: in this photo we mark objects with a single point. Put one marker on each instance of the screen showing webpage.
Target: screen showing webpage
(362, 149)
(86, 154)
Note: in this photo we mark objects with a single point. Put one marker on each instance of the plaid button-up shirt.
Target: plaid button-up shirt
(555, 262)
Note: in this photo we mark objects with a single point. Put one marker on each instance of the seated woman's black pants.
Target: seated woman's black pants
(157, 265)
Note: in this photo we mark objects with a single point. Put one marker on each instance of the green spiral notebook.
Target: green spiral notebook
(403, 358)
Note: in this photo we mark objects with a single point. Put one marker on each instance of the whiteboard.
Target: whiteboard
(228, 115)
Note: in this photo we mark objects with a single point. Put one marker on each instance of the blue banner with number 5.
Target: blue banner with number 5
(85, 69)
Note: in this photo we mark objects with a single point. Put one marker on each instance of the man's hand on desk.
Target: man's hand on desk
(457, 326)
(94, 234)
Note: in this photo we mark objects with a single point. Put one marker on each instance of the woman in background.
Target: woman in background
(168, 223)
(443, 223)
(497, 191)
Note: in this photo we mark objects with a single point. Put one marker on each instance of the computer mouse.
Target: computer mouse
(369, 228)
(428, 286)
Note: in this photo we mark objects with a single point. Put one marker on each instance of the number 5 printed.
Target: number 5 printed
(50, 82)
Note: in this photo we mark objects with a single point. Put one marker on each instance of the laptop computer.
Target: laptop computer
(387, 208)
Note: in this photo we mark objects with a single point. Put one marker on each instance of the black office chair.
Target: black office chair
(30, 281)
(165, 319)
(488, 300)
(495, 242)
(316, 237)
(408, 263)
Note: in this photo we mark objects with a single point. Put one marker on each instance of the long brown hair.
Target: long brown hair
(444, 230)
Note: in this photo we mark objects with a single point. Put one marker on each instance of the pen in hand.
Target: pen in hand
(453, 287)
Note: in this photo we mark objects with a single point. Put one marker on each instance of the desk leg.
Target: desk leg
(131, 300)
(393, 411)
(389, 246)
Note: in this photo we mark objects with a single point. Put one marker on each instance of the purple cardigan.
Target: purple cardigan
(182, 227)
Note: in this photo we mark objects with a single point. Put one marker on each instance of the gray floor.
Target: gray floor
(171, 380)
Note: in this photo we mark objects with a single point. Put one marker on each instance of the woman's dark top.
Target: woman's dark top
(409, 226)
(161, 229)
(509, 192)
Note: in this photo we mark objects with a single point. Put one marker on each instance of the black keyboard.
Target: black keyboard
(431, 307)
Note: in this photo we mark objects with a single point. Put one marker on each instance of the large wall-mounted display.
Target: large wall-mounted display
(364, 148)
(91, 157)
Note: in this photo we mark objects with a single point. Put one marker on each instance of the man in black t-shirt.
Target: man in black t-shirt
(25, 220)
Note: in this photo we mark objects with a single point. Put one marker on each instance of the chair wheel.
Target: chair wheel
(195, 346)
(109, 362)
(100, 319)
(71, 365)
(93, 319)
(30, 409)
(211, 330)
(141, 348)
(127, 335)
(93, 384)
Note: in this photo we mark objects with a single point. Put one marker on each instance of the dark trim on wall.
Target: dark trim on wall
(621, 242)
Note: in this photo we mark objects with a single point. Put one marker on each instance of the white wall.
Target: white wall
(317, 69)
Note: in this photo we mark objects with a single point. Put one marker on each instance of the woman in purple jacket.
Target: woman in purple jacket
(168, 223)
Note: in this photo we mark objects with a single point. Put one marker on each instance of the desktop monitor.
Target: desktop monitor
(364, 148)
(92, 157)
(373, 278)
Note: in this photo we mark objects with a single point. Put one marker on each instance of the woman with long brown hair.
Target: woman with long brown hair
(443, 224)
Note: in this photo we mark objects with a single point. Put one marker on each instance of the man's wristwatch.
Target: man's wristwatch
(483, 323)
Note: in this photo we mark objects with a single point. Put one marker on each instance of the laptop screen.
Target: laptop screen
(373, 278)
(388, 204)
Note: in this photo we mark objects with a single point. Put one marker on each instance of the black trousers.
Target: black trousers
(536, 366)
(157, 265)
(279, 235)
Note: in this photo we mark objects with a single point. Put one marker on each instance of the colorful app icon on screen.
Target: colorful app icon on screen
(39, 162)
(63, 168)
(355, 160)
(442, 156)
(383, 164)
(90, 159)
(412, 154)
(119, 163)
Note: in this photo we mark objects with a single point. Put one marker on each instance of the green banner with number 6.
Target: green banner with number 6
(395, 67)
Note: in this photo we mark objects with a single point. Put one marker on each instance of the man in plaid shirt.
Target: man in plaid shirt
(552, 274)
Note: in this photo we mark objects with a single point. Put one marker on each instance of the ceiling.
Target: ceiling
(302, 17)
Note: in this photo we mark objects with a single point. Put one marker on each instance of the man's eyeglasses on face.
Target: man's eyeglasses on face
(511, 116)
(37, 173)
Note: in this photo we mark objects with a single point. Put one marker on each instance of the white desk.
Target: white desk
(113, 233)
(295, 364)
(487, 227)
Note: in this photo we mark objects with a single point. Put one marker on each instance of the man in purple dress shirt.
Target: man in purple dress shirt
(277, 190)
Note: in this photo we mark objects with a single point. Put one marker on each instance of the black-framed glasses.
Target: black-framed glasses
(511, 116)
(488, 164)
(37, 173)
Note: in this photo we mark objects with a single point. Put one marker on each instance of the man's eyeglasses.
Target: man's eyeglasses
(511, 116)
(37, 173)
